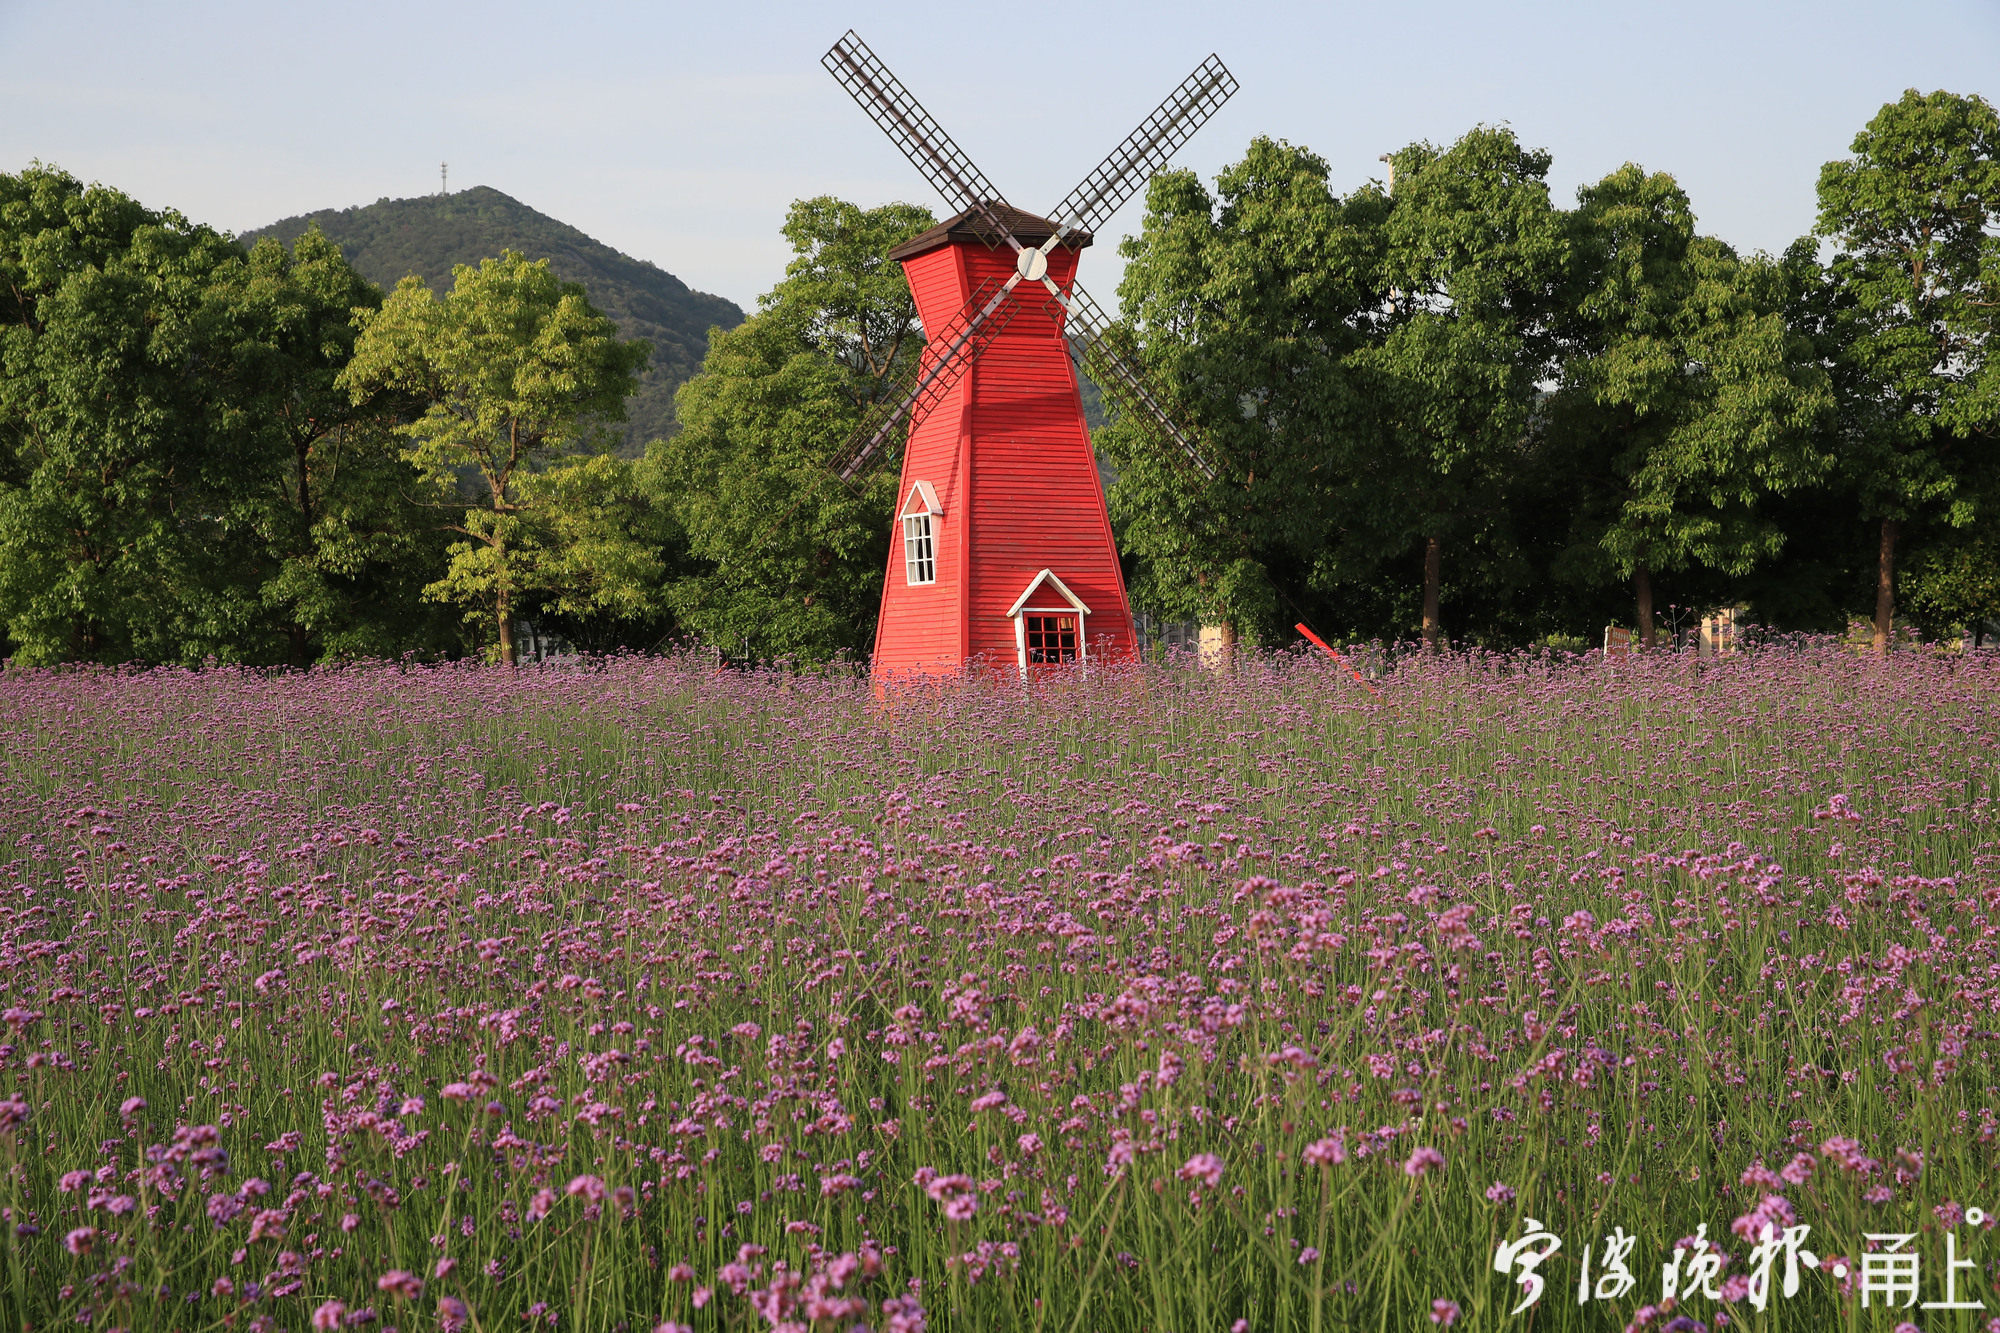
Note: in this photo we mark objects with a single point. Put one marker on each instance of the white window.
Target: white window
(921, 517)
(1048, 624)
(919, 548)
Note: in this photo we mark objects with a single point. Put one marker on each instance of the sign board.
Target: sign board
(1718, 633)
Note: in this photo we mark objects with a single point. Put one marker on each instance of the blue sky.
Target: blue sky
(678, 133)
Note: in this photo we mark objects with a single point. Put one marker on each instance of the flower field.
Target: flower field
(643, 995)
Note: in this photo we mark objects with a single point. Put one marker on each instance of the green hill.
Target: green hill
(426, 236)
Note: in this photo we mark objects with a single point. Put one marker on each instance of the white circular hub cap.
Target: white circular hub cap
(1032, 265)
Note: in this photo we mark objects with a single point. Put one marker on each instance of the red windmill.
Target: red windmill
(1002, 551)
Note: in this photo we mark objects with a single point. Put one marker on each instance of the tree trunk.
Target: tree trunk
(1885, 586)
(1433, 631)
(301, 459)
(504, 610)
(1642, 585)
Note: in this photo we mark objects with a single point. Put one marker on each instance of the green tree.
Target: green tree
(788, 561)
(1915, 214)
(606, 549)
(120, 537)
(1954, 582)
(1684, 400)
(841, 292)
(1474, 256)
(515, 370)
(1247, 305)
(333, 502)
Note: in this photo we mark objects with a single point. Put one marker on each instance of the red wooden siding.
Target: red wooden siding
(922, 628)
(1009, 456)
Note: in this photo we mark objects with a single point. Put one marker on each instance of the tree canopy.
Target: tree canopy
(1684, 401)
(118, 536)
(516, 372)
(1531, 404)
(1249, 304)
(1473, 256)
(334, 513)
(1915, 214)
(179, 478)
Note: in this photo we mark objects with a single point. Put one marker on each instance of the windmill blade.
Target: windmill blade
(1085, 330)
(1147, 148)
(923, 386)
(910, 127)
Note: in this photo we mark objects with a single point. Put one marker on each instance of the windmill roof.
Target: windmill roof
(1027, 228)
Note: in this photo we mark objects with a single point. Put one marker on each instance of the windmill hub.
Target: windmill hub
(1032, 264)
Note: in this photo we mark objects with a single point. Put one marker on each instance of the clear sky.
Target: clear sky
(678, 132)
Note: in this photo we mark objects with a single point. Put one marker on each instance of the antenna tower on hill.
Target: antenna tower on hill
(444, 178)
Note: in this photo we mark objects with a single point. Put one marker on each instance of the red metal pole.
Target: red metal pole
(1328, 649)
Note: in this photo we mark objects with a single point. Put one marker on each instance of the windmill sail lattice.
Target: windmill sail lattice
(1146, 149)
(1085, 329)
(923, 385)
(910, 127)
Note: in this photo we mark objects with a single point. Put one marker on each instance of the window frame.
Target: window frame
(920, 516)
(1048, 596)
(1067, 625)
(919, 550)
